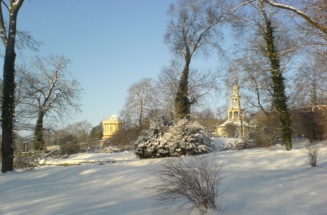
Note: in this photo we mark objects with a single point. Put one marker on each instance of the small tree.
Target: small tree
(96, 132)
(195, 183)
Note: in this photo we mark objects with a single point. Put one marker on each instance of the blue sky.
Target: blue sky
(111, 43)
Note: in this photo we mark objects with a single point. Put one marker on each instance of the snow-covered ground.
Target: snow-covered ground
(256, 181)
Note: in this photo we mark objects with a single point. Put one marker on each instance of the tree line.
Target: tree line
(279, 60)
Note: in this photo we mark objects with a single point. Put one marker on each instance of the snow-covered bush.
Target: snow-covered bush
(168, 139)
(110, 149)
(26, 161)
(195, 183)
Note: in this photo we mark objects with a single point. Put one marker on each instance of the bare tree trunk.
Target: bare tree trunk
(279, 99)
(141, 116)
(38, 132)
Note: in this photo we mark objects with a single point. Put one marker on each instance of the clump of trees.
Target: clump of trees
(166, 138)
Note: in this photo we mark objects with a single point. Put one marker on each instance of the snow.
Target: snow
(255, 181)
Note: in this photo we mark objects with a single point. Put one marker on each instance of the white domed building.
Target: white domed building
(110, 126)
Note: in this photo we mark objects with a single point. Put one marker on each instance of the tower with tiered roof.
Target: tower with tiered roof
(235, 125)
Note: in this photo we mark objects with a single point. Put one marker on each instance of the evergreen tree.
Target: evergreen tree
(96, 132)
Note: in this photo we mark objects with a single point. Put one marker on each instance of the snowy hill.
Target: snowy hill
(257, 181)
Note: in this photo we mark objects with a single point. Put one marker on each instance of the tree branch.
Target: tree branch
(300, 13)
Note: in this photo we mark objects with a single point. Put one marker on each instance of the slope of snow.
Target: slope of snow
(256, 181)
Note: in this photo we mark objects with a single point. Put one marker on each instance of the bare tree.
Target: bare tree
(194, 29)
(221, 113)
(48, 92)
(81, 130)
(310, 81)
(313, 11)
(196, 183)
(207, 118)
(139, 102)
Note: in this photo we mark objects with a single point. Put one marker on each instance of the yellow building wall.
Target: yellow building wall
(111, 126)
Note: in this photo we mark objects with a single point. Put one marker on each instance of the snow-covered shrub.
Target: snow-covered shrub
(26, 161)
(195, 183)
(110, 149)
(168, 139)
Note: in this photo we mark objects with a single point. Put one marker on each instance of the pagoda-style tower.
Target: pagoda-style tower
(235, 111)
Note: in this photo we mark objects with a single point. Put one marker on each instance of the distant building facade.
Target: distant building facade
(235, 125)
(110, 126)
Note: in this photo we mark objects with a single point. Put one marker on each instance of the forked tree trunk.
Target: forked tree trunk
(279, 98)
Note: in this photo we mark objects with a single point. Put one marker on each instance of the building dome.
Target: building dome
(113, 118)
